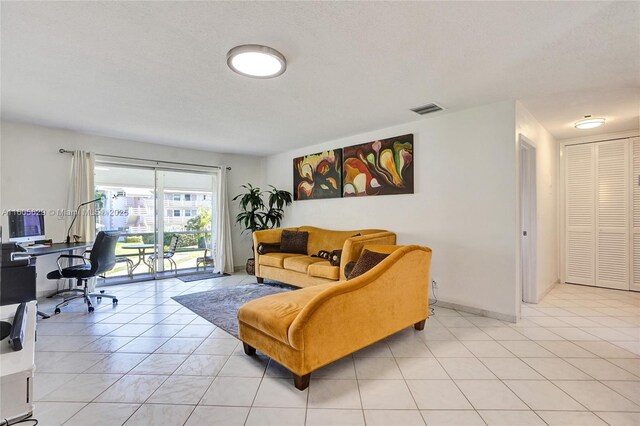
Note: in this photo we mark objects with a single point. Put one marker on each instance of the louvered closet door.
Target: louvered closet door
(580, 214)
(612, 214)
(635, 242)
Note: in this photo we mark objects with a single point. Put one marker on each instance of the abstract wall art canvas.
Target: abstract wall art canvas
(318, 176)
(382, 167)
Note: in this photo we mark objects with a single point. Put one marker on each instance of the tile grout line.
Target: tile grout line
(454, 383)
(504, 384)
(474, 325)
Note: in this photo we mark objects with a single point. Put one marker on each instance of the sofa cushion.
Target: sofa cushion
(320, 239)
(300, 263)
(324, 270)
(274, 314)
(294, 241)
(276, 259)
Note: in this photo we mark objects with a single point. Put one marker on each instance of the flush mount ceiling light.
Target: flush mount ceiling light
(589, 123)
(254, 60)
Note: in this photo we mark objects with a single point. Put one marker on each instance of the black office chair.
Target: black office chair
(101, 259)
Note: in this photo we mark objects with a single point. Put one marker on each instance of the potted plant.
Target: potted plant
(257, 215)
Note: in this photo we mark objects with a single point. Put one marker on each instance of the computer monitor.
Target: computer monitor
(26, 226)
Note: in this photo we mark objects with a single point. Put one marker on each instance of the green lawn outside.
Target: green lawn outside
(185, 257)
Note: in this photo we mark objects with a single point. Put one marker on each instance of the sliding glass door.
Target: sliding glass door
(128, 205)
(166, 218)
(186, 209)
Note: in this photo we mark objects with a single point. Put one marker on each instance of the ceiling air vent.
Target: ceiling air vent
(427, 109)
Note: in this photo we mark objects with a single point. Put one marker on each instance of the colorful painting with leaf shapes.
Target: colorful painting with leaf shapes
(318, 175)
(382, 167)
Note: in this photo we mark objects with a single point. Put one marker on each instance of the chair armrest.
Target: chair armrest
(72, 256)
(353, 246)
(69, 256)
(358, 312)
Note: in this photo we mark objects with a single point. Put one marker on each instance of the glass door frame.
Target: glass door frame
(160, 216)
(158, 169)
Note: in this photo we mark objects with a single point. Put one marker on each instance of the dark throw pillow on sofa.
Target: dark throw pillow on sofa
(294, 242)
(323, 254)
(368, 259)
(264, 248)
(348, 268)
(334, 258)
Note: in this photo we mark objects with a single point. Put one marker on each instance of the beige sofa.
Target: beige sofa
(303, 270)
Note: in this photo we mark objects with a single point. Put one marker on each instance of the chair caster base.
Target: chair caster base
(115, 301)
(56, 311)
(91, 309)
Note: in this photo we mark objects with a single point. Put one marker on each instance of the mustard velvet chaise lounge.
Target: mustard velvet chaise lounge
(306, 329)
(302, 270)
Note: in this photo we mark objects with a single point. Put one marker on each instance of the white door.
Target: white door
(580, 214)
(635, 225)
(612, 214)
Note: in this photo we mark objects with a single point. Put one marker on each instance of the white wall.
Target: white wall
(547, 170)
(463, 206)
(35, 176)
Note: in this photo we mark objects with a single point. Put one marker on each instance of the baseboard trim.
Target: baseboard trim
(239, 268)
(477, 311)
(547, 291)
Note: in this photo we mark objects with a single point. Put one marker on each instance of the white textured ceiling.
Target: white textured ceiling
(620, 107)
(156, 71)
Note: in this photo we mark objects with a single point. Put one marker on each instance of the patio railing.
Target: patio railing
(191, 245)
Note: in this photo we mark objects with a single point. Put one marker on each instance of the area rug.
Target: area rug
(198, 277)
(220, 306)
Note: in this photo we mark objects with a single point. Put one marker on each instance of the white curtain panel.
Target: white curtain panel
(81, 190)
(224, 248)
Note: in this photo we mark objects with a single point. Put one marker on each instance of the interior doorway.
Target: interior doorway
(528, 223)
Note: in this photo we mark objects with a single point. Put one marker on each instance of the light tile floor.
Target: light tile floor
(573, 359)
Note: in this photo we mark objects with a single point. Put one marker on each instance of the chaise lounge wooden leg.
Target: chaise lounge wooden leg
(260, 280)
(301, 382)
(420, 325)
(248, 349)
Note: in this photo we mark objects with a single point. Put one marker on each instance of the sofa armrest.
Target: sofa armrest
(391, 296)
(353, 246)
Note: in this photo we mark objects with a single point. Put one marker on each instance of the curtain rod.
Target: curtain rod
(66, 151)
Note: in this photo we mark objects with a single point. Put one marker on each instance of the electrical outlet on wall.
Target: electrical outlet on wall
(434, 283)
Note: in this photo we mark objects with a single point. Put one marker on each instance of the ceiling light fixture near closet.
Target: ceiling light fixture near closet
(257, 61)
(589, 123)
